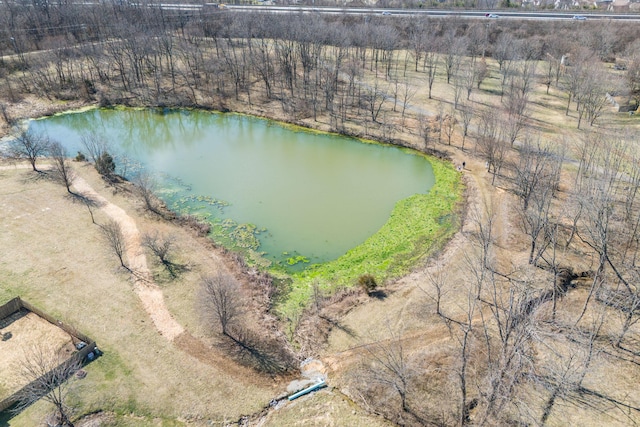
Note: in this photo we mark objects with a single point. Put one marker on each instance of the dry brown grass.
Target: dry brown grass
(409, 310)
(70, 272)
(325, 408)
(59, 262)
(27, 331)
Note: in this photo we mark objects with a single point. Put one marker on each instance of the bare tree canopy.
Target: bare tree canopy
(61, 164)
(146, 186)
(163, 247)
(94, 144)
(112, 232)
(221, 301)
(48, 373)
(29, 146)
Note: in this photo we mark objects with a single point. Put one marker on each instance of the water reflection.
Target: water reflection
(309, 194)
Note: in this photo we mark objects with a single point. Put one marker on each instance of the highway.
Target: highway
(566, 15)
(551, 15)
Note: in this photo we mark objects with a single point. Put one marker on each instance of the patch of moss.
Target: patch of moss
(297, 259)
(193, 203)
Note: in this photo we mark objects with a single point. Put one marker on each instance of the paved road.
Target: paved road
(469, 14)
(472, 14)
(552, 15)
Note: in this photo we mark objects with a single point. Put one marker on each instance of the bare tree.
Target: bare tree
(48, 373)
(5, 114)
(536, 222)
(509, 352)
(632, 73)
(481, 72)
(490, 142)
(388, 366)
(572, 78)
(537, 176)
(597, 198)
(439, 121)
(514, 115)
(449, 125)
(146, 186)
(431, 60)
(503, 50)
(538, 168)
(61, 164)
(162, 247)
(626, 302)
(465, 114)
(30, 146)
(418, 38)
(458, 88)
(568, 361)
(94, 144)
(456, 48)
(426, 130)
(112, 232)
(461, 329)
(469, 75)
(375, 97)
(506, 52)
(591, 93)
(221, 301)
(408, 92)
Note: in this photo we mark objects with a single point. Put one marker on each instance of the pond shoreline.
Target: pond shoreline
(331, 282)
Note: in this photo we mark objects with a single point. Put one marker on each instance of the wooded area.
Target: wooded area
(523, 335)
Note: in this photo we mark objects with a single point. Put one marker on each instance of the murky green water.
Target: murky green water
(306, 193)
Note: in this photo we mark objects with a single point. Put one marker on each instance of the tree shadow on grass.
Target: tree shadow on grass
(89, 202)
(85, 200)
(30, 176)
(6, 416)
(174, 269)
(169, 271)
(603, 402)
(47, 384)
(378, 294)
(259, 353)
(336, 324)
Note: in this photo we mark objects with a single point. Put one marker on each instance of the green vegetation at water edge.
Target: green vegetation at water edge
(234, 235)
(418, 226)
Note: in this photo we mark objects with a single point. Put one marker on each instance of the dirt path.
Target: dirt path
(152, 298)
(483, 200)
(147, 291)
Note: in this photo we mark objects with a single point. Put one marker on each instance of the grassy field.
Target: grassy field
(59, 262)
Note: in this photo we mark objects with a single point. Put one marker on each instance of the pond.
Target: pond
(282, 192)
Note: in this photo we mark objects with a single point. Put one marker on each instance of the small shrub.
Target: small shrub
(202, 228)
(105, 165)
(367, 282)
